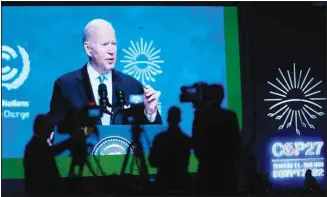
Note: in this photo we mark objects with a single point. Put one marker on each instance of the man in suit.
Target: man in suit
(74, 90)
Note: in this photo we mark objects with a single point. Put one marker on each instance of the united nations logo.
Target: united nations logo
(112, 145)
(12, 78)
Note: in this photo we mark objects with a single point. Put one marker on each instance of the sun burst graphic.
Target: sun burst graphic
(142, 61)
(297, 101)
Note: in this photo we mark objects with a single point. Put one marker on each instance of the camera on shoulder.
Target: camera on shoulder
(200, 93)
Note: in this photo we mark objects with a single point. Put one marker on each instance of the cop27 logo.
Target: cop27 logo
(289, 149)
(295, 99)
(12, 76)
(142, 61)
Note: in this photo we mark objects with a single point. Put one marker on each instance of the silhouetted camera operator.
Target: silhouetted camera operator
(215, 137)
(40, 168)
(41, 172)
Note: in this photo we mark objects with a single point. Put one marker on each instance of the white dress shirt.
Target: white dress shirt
(95, 82)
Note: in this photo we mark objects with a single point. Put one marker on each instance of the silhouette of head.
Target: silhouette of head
(308, 173)
(214, 92)
(43, 126)
(174, 116)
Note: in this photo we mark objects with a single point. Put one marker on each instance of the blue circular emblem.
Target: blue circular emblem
(113, 145)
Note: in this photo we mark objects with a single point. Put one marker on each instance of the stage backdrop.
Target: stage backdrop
(287, 60)
(165, 47)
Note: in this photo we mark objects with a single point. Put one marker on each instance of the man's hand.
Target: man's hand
(150, 100)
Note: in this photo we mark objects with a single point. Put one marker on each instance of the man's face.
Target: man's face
(103, 48)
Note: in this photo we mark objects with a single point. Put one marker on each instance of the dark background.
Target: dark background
(272, 36)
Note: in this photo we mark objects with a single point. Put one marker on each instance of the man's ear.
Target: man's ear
(88, 48)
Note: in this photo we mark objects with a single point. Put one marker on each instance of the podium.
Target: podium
(115, 139)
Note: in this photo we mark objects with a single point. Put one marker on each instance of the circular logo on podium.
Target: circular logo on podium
(113, 145)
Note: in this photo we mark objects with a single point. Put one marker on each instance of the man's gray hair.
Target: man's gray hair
(95, 23)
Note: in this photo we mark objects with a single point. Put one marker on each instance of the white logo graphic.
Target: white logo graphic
(9, 73)
(142, 61)
(113, 145)
(297, 100)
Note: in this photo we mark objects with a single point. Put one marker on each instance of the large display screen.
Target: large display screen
(164, 47)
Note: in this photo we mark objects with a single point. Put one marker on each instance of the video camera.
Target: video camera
(91, 114)
(135, 102)
(200, 93)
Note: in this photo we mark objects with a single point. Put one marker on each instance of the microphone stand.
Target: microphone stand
(116, 109)
(104, 110)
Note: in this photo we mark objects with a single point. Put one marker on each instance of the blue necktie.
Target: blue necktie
(102, 78)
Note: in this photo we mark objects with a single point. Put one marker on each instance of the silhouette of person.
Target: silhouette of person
(40, 168)
(310, 183)
(170, 153)
(215, 140)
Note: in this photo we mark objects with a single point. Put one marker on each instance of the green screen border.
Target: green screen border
(233, 69)
(13, 168)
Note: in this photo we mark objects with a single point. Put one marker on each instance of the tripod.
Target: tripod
(138, 157)
(80, 153)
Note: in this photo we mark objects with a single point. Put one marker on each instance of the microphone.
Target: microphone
(103, 94)
(121, 98)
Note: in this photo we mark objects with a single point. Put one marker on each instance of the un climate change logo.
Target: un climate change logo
(295, 100)
(12, 77)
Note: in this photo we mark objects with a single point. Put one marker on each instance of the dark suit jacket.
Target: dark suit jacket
(72, 92)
